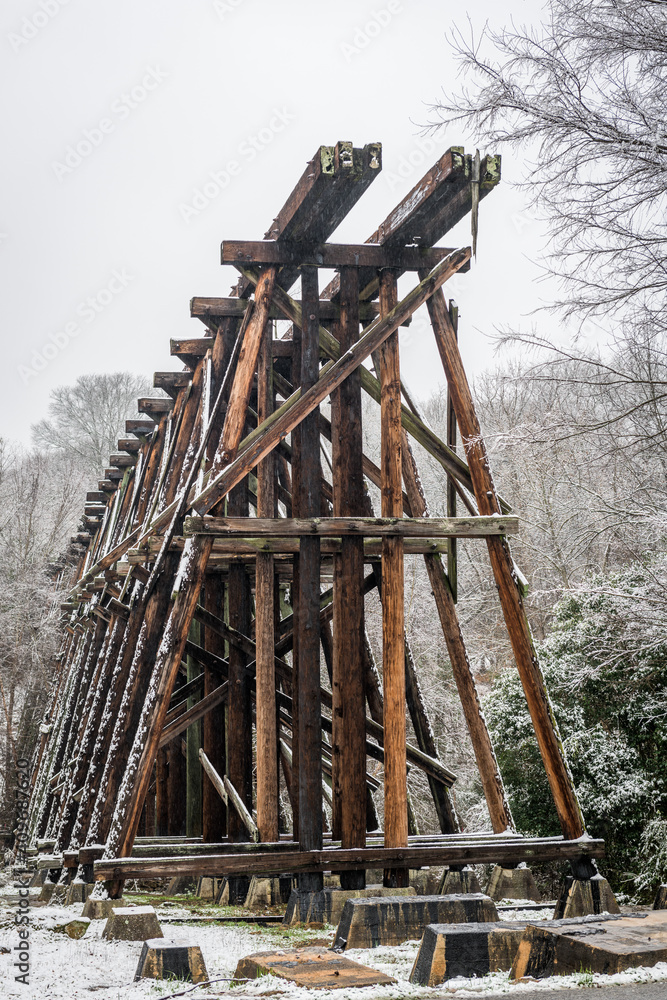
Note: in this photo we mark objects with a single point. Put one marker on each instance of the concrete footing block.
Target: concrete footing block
(316, 968)
(426, 881)
(132, 923)
(100, 909)
(607, 945)
(368, 923)
(38, 878)
(513, 883)
(48, 888)
(181, 885)
(449, 950)
(162, 959)
(233, 891)
(208, 888)
(264, 892)
(78, 891)
(660, 901)
(458, 881)
(581, 897)
(326, 906)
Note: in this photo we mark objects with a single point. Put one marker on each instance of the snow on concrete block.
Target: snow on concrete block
(100, 909)
(607, 945)
(162, 959)
(368, 923)
(326, 906)
(450, 950)
(314, 968)
(132, 923)
(73, 928)
(581, 897)
(459, 881)
(513, 883)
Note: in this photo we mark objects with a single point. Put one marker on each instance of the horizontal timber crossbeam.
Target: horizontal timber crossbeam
(368, 527)
(493, 851)
(251, 252)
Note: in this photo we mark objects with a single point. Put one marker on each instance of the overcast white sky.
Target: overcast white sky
(160, 95)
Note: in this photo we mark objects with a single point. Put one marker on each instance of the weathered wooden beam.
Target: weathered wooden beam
(264, 439)
(307, 677)
(393, 662)
(243, 813)
(154, 406)
(217, 308)
(493, 851)
(332, 255)
(539, 706)
(348, 714)
(138, 426)
(361, 527)
(267, 784)
(171, 382)
(198, 711)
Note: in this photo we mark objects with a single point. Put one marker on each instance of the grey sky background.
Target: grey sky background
(115, 114)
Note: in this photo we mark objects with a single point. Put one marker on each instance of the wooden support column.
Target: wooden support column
(239, 733)
(307, 692)
(193, 742)
(176, 790)
(452, 562)
(539, 706)
(393, 656)
(161, 800)
(214, 818)
(348, 715)
(267, 735)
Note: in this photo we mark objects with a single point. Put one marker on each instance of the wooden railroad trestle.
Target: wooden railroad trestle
(177, 627)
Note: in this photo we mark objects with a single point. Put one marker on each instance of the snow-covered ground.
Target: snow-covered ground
(65, 969)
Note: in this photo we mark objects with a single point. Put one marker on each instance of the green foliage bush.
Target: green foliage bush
(605, 664)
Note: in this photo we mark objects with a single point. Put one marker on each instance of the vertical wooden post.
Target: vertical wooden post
(267, 735)
(452, 562)
(161, 795)
(193, 742)
(539, 706)
(348, 742)
(308, 597)
(239, 734)
(297, 511)
(176, 782)
(393, 656)
(214, 818)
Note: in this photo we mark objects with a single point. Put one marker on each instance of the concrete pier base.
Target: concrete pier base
(78, 891)
(316, 968)
(326, 906)
(459, 880)
(132, 923)
(581, 897)
(449, 950)
(513, 883)
(265, 892)
(100, 909)
(368, 923)
(161, 959)
(607, 945)
(208, 888)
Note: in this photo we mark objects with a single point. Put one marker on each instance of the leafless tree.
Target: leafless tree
(40, 502)
(584, 94)
(85, 419)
